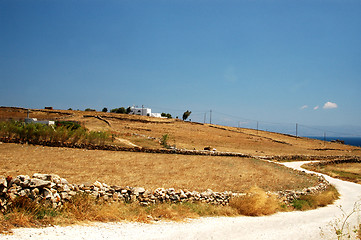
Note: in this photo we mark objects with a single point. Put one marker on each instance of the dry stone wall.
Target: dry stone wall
(57, 190)
(311, 158)
(288, 196)
(337, 161)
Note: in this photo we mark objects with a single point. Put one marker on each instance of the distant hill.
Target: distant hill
(142, 131)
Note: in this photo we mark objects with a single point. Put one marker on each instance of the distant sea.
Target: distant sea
(353, 141)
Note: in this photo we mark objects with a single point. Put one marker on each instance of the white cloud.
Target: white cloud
(330, 105)
(304, 107)
(315, 108)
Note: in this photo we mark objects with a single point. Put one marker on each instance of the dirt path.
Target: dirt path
(314, 224)
(126, 142)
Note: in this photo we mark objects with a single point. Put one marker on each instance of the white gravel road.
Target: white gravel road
(314, 224)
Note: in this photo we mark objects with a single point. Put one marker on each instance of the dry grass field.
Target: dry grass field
(151, 171)
(141, 131)
(148, 170)
(346, 171)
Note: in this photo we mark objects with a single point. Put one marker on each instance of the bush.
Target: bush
(313, 201)
(72, 125)
(167, 115)
(95, 137)
(64, 131)
(164, 140)
(256, 202)
(121, 110)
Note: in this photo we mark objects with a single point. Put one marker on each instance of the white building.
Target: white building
(35, 120)
(143, 112)
(140, 111)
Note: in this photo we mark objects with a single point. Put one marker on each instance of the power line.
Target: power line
(258, 122)
(329, 131)
(289, 124)
(210, 117)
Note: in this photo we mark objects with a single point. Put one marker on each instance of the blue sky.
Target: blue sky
(275, 62)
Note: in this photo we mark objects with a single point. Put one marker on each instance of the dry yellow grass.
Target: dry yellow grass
(192, 135)
(346, 171)
(159, 170)
(256, 202)
(151, 171)
(85, 208)
(320, 199)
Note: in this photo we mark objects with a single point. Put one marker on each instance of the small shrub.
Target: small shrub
(121, 110)
(207, 210)
(342, 227)
(95, 137)
(175, 212)
(78, 135)
(64, 131)
(256, 202)
(71, 125)
(81, 207)
(316, 200)
(24, 212)
(167, 115)
(300, 204)
(164, 141)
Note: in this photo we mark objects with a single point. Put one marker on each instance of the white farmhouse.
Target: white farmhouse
(143, 112)
(35, 120)
(140, 111)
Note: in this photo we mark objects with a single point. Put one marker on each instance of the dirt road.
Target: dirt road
(314, 224)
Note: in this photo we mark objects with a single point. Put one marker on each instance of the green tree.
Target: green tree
(121, 110)
(167, 115)
(118, 110)
(105, 109)
(186, 115)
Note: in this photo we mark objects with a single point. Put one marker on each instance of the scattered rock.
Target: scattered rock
(138, 190)
(38, 183)
(3, 182)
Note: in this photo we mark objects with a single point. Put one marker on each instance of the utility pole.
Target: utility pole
(296, 129)
(324, 138)
(257, 127)
(210, 116)
(205, 117)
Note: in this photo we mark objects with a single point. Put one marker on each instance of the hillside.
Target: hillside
(191, 175)
(142, 131)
